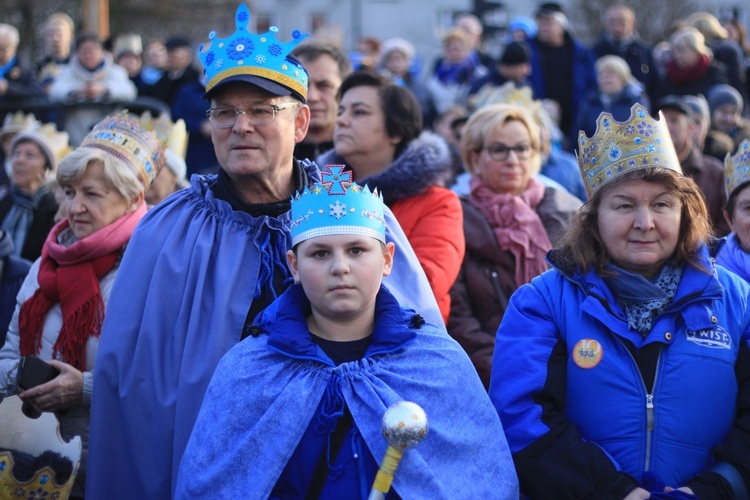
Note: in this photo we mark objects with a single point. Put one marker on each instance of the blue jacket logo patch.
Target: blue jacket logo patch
(714, 338)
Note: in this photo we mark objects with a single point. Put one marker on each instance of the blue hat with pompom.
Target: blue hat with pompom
(261, 60)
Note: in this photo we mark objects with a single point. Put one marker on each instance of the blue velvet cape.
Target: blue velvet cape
(266, 390)
(178, 305)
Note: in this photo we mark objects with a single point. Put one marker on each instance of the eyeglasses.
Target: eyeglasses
(224, 117)
(500, 152)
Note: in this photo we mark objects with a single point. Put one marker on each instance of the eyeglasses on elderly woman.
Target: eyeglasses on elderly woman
(501, 152)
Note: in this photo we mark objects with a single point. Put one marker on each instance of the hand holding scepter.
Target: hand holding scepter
(404, 426)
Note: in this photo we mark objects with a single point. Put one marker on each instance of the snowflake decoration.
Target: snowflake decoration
(237, 48)
(338, 209)
(219, 63)
(260, 59)
(209, 58)
(242, 16)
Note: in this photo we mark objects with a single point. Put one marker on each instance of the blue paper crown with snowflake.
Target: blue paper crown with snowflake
(245, 53)
(337, 205)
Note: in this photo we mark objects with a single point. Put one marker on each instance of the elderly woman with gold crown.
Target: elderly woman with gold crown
(62, 302)
(622, 372)
(28, 206)
(736, 254)
(510, 222)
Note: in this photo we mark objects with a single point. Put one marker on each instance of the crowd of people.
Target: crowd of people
(549, 251)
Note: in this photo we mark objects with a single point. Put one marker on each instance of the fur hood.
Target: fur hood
(426, 162)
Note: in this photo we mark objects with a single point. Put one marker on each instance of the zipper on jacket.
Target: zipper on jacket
(650, 419)
(502, 299)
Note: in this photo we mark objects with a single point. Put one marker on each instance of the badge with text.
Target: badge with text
(587, 353)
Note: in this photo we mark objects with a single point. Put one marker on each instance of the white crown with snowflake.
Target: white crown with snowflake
(337, 205)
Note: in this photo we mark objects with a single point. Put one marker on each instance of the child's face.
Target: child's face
(341, 274)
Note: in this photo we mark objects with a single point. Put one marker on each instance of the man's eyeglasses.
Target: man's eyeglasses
(225, 117)
(500, 152)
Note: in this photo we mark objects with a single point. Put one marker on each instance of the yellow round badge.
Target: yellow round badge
(587, 353)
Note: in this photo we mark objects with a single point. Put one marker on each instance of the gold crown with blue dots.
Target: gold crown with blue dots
(247, 54)
(617, 148)
(737, 168)
(337, 205)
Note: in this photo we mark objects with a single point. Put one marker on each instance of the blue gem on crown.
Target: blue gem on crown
(245, 53)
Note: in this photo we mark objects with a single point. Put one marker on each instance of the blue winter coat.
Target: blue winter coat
(581, 421)
(618, 106)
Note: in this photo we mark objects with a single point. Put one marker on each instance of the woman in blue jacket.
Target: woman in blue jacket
(633, 348)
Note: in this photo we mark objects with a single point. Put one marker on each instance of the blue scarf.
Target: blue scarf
(4, 69)
(21, 215)
(641, 299)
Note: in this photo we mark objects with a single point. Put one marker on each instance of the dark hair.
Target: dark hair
(88, 37)
(583, 243)
(312, 51)
(732, 201)
(403, 115)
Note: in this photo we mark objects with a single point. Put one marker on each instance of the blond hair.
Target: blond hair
(484, 122)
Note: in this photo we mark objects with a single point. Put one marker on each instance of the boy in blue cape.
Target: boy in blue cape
(325, 361)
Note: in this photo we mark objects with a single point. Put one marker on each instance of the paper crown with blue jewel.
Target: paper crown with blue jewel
(245, 54)
(337, 205)
(737, 168)
(621, 147)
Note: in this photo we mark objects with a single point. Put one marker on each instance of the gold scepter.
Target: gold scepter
(404, 426)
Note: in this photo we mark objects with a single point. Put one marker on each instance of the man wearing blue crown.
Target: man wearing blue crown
(204, 262)
(295, 411)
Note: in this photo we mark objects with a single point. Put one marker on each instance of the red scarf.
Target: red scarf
(70, 276)
(517, 226)
(679, 76)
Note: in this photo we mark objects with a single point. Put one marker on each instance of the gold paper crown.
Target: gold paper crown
(53, 142)
(121, 135)
(35, 461)
(14, 123)
(507, 93)
(621, 147)
(173, 135)
(41, 485)
(737, 168)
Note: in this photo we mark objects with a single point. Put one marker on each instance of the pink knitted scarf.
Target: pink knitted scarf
(517, 225)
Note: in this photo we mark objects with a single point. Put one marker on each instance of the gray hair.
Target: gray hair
(11, 33)
(116, 172)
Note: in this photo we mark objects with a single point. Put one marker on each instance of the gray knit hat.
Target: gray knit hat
(723, 94)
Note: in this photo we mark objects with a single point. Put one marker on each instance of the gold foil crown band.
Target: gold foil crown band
(122, 136)
(621, 147)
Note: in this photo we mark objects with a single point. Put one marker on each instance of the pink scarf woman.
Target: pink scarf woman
(516, 224)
